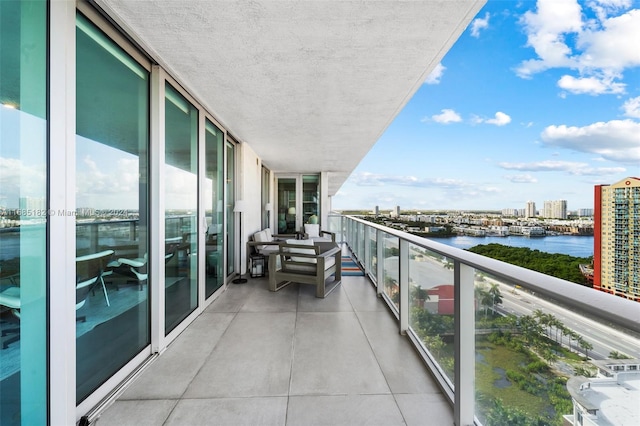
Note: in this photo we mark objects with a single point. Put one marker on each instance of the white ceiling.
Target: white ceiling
(309, 85)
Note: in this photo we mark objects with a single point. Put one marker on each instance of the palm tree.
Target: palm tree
(496, 296)
(586, 346)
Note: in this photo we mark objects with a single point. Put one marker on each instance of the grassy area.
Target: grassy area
(507, 359)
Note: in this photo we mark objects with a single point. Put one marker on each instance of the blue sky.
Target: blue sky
(537, 100)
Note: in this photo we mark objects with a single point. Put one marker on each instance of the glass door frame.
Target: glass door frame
(299, 192)
(202, 219)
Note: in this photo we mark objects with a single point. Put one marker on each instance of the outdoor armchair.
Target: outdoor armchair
(306, 262)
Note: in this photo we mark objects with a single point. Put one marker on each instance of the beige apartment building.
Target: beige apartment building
(616, 258)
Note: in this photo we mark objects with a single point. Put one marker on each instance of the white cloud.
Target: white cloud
(108, 185)
(546, 29)
(521, 178)
(570, 167)
(632, 107)
(14, 184)
(436, 74)
(454, 188)
(616, 140)
(614, 46)
(447, 116)
(590, 85)
(598, 50)
(479, 24)
(500, 119)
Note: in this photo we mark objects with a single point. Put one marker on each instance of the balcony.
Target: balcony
(465, 354)
(256, 357)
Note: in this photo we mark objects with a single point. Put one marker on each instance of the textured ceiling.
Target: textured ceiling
(310, 85)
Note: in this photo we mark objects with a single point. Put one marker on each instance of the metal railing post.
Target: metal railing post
(464, 341)
(380, 262)
(404, 286)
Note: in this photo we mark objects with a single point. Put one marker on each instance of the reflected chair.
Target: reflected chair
(138, 267)
(90, 269)
(10, 298)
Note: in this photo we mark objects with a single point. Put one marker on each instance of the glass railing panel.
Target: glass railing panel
(335, 225)
(431, 305)
(360, 241)
(529, 347)
(372, 261)
(391, 268)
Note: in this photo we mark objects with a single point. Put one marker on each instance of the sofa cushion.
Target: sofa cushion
(310, 251)
(261, 237)
(312, 230)
(268, 233)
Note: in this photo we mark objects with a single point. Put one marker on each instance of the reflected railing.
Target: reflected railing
(123, 235)
(501, 340)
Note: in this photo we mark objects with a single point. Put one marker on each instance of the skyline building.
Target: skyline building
(616, 251)
(530, 210)
(585, 212)
(555, 209)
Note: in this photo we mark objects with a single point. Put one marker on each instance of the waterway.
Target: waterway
(579, 246)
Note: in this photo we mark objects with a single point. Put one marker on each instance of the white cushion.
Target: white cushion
(302, 250)
(267, 231)
(261, 237)
(311, 268)
(312, 230)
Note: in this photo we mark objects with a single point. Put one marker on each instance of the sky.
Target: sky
(537, 100)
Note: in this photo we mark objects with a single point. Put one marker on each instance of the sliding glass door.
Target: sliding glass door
(287, 206)
(181, 208)
(23, 212)
(112, 150)
(213, 193)
(298, 202)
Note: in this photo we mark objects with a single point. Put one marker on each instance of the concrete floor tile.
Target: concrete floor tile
(253, 358)
(263, 300)
(336, 301)
(425, 409)
(169, 376)
(362, 295)
(347, 410)
(333, 357)
(230, 411)
(136, 413)
(403, 369)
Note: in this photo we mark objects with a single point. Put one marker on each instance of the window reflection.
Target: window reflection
(112, 303)
(23, 213)
(213, 200)
(181, 208)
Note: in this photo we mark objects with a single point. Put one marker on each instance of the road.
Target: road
(430, 272)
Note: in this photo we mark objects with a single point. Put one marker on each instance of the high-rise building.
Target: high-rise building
(556, 209)
(584, 212)
(616, 251)
(530, 210)
(510, 212)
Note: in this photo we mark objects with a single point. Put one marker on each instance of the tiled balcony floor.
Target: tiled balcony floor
(286, 358)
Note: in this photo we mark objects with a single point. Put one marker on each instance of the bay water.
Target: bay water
(579, 246)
